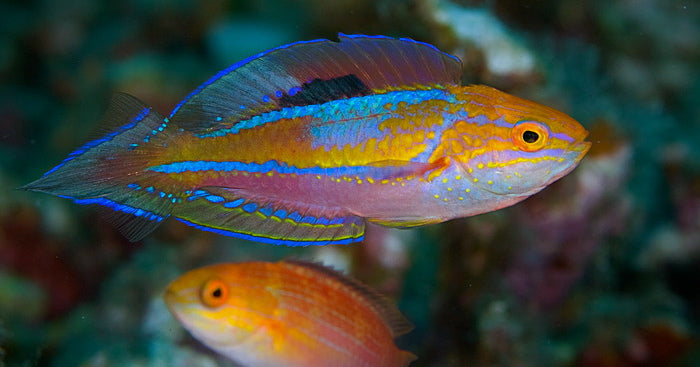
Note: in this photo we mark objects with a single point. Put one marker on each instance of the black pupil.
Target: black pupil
(216, 293)
(530, 136)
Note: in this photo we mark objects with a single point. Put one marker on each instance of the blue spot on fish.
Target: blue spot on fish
(250, 207)
(267, 211)
(294, 90)
(214, 198)
(234, 204)
(120, 207)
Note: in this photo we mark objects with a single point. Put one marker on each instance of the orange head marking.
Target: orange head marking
(523, 146)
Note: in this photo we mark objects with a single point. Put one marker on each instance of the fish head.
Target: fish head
(218, 305)
(515, 147)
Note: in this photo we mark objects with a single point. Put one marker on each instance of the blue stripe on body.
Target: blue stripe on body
(370, 108)
(272, 241)
(259, 120)
(269, 166)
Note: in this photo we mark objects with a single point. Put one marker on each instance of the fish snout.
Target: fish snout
(580, 148)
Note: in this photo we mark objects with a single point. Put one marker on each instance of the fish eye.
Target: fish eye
(529, 136)
(214, 292)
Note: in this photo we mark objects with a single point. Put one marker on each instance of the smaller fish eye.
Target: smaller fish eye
(529, 136)
(214, 292)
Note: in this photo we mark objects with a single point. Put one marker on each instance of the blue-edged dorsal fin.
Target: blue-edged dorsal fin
(238, 213)
(312, 72)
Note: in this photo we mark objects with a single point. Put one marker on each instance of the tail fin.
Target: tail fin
(111, 171)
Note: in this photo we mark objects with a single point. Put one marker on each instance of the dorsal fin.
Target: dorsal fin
(312, 72)
(397, 322)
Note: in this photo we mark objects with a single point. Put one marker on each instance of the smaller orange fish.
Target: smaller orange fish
(288, 313)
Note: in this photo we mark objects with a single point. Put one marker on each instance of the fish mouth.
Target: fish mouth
(575, 153)
(581, 148)
(177, 303)
(172, 301)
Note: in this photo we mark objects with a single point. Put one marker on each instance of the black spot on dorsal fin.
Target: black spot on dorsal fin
(320, 91)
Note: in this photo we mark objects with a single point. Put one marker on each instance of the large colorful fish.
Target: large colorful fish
(288, 314)
(303, 143)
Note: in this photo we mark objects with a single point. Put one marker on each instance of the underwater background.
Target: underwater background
(599, 269)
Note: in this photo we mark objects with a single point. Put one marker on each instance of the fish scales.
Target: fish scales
(288, 313)
(304, 143)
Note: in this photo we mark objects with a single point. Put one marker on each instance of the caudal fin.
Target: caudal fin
(111, 171)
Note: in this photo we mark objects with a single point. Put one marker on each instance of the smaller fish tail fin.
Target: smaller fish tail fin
(407, 357)
(111, 171)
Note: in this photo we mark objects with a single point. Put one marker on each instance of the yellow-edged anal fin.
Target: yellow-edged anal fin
(404, 222)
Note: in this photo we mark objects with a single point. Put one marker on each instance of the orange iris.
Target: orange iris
(529, 136)
(214, 293)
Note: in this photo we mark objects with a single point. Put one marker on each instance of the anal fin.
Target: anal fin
(402, 222)
(237, 213)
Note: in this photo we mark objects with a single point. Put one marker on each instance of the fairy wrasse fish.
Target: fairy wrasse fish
(303, 143)
(288, 314)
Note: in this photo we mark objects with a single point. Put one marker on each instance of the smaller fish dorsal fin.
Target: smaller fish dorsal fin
(313, 72)
(397, 322)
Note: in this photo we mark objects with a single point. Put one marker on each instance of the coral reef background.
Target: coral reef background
(600, 269)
